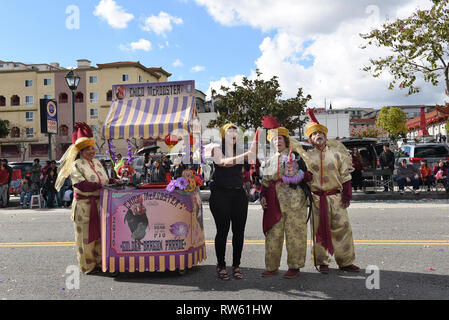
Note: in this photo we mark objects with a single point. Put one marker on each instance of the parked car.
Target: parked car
(367, 149)
(25, 166)
(414, 153)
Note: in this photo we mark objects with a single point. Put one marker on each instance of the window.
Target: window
(431, 152)
(28, 83)
(10, 150)
(63, 97)
(1, 65)
(79, 97)
(405, 151)
(15, 132)
(29, 116)
(48, 96)
(63, 130)
(94, 113)
(93, 97)
(140, 78)
(39, 150)
(3, 101)
(16, 65)
(109, 95)
(29, 100)
(29, 132)
(95, 130)
(125, 77)
(93, 79)
(47, 82)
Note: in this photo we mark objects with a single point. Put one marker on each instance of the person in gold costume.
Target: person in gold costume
(331, 166)
(88, 177)
(284, 201)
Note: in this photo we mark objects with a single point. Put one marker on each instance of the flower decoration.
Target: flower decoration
(171, 186)
(182, 183)
(111, 152)
(188, 182)
(130, 152)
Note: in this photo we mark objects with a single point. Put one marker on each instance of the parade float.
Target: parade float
(153, 227)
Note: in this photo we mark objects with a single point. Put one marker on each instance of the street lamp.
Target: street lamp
(72, 82)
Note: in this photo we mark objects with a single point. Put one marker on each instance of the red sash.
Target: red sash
(94, 225)
(323, 234)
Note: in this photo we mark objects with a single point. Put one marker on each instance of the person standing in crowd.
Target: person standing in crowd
(110, 171)
(146, 166)
(331, 167)
(386, 160)
(88, 177)
(9, 169)
(49, 186)
(165, 163)
(26, 191)
(36, 175)
(119, 162)
(157, 174)
(426, 174)
(228, 202)
(4, 176)
(45, 169)
(357, 163)
(178, 168)
(284, 200)
(246, 179)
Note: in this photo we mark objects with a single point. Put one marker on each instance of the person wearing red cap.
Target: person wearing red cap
(284, 201)
(331, 166)
(88, 177)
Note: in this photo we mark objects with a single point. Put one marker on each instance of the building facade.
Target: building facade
(22, 86)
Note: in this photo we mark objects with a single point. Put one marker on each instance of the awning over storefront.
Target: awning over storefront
(148, 117)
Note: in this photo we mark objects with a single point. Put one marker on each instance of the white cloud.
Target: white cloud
(114, 14)
(142, 44)
(224, 81)
(177, 63)
(161, 24)
(326, 33)
(198, 68)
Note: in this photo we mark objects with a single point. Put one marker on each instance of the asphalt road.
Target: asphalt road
(407, 242)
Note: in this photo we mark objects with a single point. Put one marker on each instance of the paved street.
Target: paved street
(408, 242)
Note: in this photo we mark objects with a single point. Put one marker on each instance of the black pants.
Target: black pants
(229, 206)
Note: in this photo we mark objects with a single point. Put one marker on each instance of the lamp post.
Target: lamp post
(72, 82)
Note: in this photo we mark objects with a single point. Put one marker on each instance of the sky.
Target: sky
(309, 44)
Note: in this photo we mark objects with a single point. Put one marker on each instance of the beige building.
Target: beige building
(23, 85)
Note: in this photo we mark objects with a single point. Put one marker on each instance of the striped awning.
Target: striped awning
(149, 117)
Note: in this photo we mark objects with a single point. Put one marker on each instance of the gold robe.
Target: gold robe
(88, 254)
(331, 169)
(293, 224)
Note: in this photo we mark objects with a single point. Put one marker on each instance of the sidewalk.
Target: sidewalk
(361, 196)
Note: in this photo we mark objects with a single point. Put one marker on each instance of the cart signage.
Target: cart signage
(144, 225)
(140, 90)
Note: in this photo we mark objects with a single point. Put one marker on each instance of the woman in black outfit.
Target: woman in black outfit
(228, 202)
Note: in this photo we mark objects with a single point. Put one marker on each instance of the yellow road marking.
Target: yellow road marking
(247, 242)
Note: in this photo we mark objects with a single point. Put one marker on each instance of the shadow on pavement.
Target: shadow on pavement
(308, 285)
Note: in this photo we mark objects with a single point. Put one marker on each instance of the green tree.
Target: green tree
(4, 128)
(419, 46)
(392, 120)
(247, 104)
